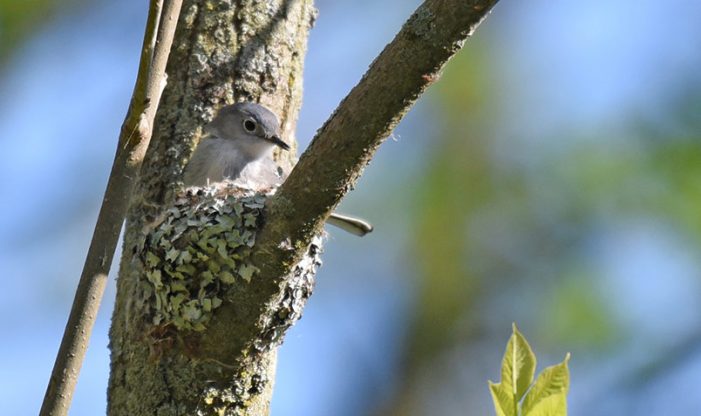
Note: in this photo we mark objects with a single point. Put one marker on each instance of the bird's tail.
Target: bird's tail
(350, 224)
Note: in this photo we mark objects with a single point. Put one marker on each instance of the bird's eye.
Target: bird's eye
(249, 125)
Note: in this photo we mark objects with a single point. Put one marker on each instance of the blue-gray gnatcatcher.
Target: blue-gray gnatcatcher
(238, 147)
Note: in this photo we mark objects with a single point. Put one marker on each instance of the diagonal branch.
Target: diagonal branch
(336, 157)
(134, 139)
(344, 145)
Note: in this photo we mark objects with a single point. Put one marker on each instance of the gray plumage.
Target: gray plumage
(238, 147)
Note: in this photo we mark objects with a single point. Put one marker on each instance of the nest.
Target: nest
(198, 251)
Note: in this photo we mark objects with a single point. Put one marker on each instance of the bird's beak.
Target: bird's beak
(278, 142)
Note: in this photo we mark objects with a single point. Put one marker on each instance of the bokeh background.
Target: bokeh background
(552, 178)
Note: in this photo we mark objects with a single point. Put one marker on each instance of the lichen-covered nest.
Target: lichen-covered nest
(197, 251)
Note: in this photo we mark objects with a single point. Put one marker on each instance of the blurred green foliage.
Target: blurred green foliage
(499, 241)
(19, 18)
(457, 183)
(550, 212)
(574, 313)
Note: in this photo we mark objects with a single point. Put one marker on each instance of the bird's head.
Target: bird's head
(254, 129)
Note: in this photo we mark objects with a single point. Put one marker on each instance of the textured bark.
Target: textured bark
(223, 51)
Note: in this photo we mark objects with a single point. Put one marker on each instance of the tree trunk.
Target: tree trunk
(224, 51)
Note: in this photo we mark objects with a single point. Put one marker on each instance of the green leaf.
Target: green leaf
(518, 366)
(547, 397)
(503, 400)
(554, 405)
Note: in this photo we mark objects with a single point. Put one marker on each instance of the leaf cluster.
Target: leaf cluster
(517, 394)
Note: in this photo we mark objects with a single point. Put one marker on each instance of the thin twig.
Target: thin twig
(134, 139)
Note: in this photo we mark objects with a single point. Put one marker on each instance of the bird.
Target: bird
(238, 146)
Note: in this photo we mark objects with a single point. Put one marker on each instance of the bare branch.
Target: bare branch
(133, 141)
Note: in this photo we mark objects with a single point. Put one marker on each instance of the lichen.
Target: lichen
(236, 398)
(197, 251)
(422, 23)
(299, 285)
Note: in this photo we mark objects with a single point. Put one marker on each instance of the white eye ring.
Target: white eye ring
(250, 125)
